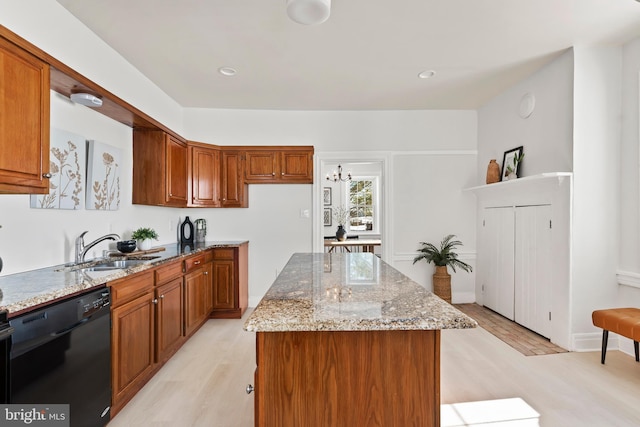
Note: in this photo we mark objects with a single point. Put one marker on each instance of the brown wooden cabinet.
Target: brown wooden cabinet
(230, 282)
(232, 183)
(132, 336)
(279, 165)
(159, 169)
(197, 292)
(169, 315)
(347, 378)
(204, 168)
(24, 121)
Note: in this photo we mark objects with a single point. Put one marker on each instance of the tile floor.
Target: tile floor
(522, 339)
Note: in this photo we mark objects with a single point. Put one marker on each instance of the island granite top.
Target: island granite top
(350, 292)
(22, 292)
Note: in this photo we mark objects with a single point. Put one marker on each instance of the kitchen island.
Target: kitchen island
(347, 340)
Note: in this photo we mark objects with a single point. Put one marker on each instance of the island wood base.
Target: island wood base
(354, 378)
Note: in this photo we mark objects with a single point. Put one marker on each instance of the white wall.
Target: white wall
(546, 135)
(629, 229)
(596, 203)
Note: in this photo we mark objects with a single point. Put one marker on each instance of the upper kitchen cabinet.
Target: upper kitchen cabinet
(204, 166)
(232, 184)
(279, 165)
(24, 121)
(159, 169)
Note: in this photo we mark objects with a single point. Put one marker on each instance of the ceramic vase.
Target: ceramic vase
(341, 234)
(493, 172)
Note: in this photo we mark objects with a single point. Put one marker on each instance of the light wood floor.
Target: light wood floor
(204, 384)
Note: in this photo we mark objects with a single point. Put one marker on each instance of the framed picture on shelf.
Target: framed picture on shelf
(511, 163)
(326, 196)
(327, 217)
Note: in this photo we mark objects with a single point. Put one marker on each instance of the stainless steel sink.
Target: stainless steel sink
(115, 265)
(108, 264)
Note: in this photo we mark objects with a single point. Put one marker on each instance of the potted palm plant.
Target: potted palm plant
(143, 237)
(442, 257)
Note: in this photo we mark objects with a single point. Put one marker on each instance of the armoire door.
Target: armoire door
(533, 268)
(498, 260)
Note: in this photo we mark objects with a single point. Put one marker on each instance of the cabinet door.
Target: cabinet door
(176, 172)
(533, 268)
(195, 295)
(24, 121)
(168, 318)
(296, 166)
(497, 237)
(261, 166)
(132, 338)
(224, 285)
(232, 180)
(205, 177)
(208, 288)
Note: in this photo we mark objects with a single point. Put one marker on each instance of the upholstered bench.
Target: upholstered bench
(621, 321)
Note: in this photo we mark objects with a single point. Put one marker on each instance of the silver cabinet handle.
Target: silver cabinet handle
(196, 263)
(47, 175)
(206, 273)
(155, 300)
(249, 388)
(282, 174)
(161, 296)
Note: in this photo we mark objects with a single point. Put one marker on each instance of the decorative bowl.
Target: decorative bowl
(126, 246)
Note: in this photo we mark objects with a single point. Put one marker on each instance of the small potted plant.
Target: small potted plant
(143, 237)
(341, 214)
(442, 257)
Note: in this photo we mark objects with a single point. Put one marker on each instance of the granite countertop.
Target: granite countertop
(22, 292)
(350, 292)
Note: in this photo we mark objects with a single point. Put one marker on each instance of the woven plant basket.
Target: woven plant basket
(442, 283)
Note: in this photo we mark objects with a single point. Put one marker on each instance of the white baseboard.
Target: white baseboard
(463, 297)
(593, 342)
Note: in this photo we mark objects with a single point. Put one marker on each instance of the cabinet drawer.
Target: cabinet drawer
(168, 272)
(223, 253)
(208, 256)
(130, 287)
(193, 262)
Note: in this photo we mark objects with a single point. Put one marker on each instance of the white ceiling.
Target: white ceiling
(366, 56)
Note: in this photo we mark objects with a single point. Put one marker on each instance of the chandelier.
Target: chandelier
(337, 176)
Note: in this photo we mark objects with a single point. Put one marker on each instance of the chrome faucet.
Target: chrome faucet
(82, 249)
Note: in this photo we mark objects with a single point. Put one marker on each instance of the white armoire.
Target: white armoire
(523, 246)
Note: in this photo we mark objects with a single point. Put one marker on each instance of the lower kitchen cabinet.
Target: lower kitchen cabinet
(197, 291)
(230, 282)
(132, 337)
(169, 314)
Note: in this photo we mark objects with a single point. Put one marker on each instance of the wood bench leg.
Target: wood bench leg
(635, 346)
(605, 338)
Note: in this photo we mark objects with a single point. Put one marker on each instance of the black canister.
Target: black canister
(186, 233)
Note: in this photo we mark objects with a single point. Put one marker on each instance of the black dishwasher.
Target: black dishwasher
(61, 354)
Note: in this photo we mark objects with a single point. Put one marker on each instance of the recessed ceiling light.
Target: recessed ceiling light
(426, 74)
(227, 71)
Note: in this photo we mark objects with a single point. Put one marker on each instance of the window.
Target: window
(362, 204)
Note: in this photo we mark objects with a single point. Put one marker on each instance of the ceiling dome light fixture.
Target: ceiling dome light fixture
(309, 12)
(86, 99)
